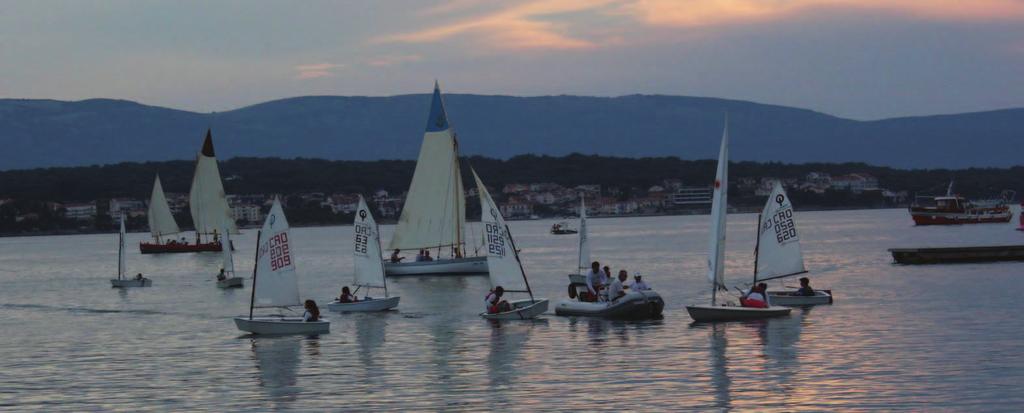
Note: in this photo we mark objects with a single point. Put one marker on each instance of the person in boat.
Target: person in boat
(639, 284)
(221, 276)
(426, 256)
(395, 258)
(756, 298)
(312, 311)
(347, 296)
(595, 281)
(139, 277)
(805, 287)
(494, 303)
(616, 290)
(457, 251)
(420, 256)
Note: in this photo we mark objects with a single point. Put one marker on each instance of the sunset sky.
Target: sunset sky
(863, 59)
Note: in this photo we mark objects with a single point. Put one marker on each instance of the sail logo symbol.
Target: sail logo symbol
(779, 199)
(494, 214)
(362, 214)
(272, 219)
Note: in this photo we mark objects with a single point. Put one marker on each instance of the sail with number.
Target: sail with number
(716, 258)
(434, 214)
(584, 247)
(226, 255)
(778, 245)
(207, 201)
(501, 255)
(275, 281)
(369, 269)
(161, 221)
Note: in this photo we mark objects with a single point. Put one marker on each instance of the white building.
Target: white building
(246, 212)
(80, 211)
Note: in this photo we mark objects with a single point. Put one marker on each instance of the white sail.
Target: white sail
(275, 280)
(161, 221)
(369, 270)
(716, 258)
(778, 245)
(207, 202)
(584, 247)
(502, 263)
(120, 251)
(434, 213)
(226, 255)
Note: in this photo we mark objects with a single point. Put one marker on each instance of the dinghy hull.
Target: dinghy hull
(709, 313)
(636, 305)
(522, 310)
(455, 266)
(233, 282)
(791, 299)
(149, 248)
(282, 325)
(376, 304)
(145, 282)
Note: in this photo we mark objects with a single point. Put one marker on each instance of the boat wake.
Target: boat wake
(82, 310)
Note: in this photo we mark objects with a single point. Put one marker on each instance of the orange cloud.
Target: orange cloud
(317, 70)
(391, 60)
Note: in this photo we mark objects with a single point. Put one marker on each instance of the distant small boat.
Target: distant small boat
(122, 281)
(274, 282)
(230, 280)
(505, 268)
(953, 209)
(716, 259)
(562, 228)
(368, 271)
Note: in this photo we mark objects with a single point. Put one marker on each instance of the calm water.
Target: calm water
(898, 337)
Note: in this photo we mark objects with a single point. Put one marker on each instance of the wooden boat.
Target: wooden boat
(230, 280)
(957, 254)
(122, 281)
(505, 268)
(777, 253)
(716, 260)
(368, 271)
(275, 283)
(434, 214)
(954, 209)
(207, 204)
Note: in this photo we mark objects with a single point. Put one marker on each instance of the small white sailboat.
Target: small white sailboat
(368, 266)
(634, 305)
(505, 268)
(122, 281)
(716, 258)
(778, 255)
(434, 214)
(227, 278)
(274, 282)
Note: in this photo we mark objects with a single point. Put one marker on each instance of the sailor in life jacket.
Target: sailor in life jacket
(494, 303)
(757, 297)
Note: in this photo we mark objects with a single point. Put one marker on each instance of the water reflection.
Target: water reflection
(506, 345)
(277, 360)
(720, 379)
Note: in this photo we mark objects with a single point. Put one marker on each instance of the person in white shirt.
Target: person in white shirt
(639, 284)
(594, 283)
(312, 311)
(616, 289)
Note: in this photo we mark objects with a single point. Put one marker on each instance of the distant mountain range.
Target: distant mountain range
(42, 133)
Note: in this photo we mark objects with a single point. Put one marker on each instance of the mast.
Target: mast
(256, 263)
(757, 244)
(522, 271)
(377, 228)
(120, 250)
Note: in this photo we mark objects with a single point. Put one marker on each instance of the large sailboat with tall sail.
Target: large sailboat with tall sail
(716, 255)
(434, 215)
(207, 204)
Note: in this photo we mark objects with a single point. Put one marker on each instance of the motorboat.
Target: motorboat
(368, 269)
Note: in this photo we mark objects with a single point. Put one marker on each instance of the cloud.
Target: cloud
(316, 70)
(391, 60)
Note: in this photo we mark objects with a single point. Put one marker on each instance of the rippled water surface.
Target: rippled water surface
(898, 337)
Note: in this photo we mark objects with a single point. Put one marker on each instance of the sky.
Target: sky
(861, 59)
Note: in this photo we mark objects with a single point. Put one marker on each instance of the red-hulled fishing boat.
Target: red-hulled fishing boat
(954, 210)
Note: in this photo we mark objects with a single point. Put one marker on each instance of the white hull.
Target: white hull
(706, 313)
(282, 325)
(522, 310)
(233, 282)
(145, 282)
(455, 266)
(376, 304)
(789, 298)
(634, 305)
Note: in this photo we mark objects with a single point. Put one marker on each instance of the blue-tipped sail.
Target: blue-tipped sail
(438, 120)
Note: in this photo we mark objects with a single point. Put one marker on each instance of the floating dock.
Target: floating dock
(957, 254)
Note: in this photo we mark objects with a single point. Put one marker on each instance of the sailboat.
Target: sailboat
(777, 253)
(716, 258)
(505, 268)
(274, 282)
(633, 305)
(368, 266)
(230, 279)
(123, 281)
(434, 214)
(207, 204)
(161, 221)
